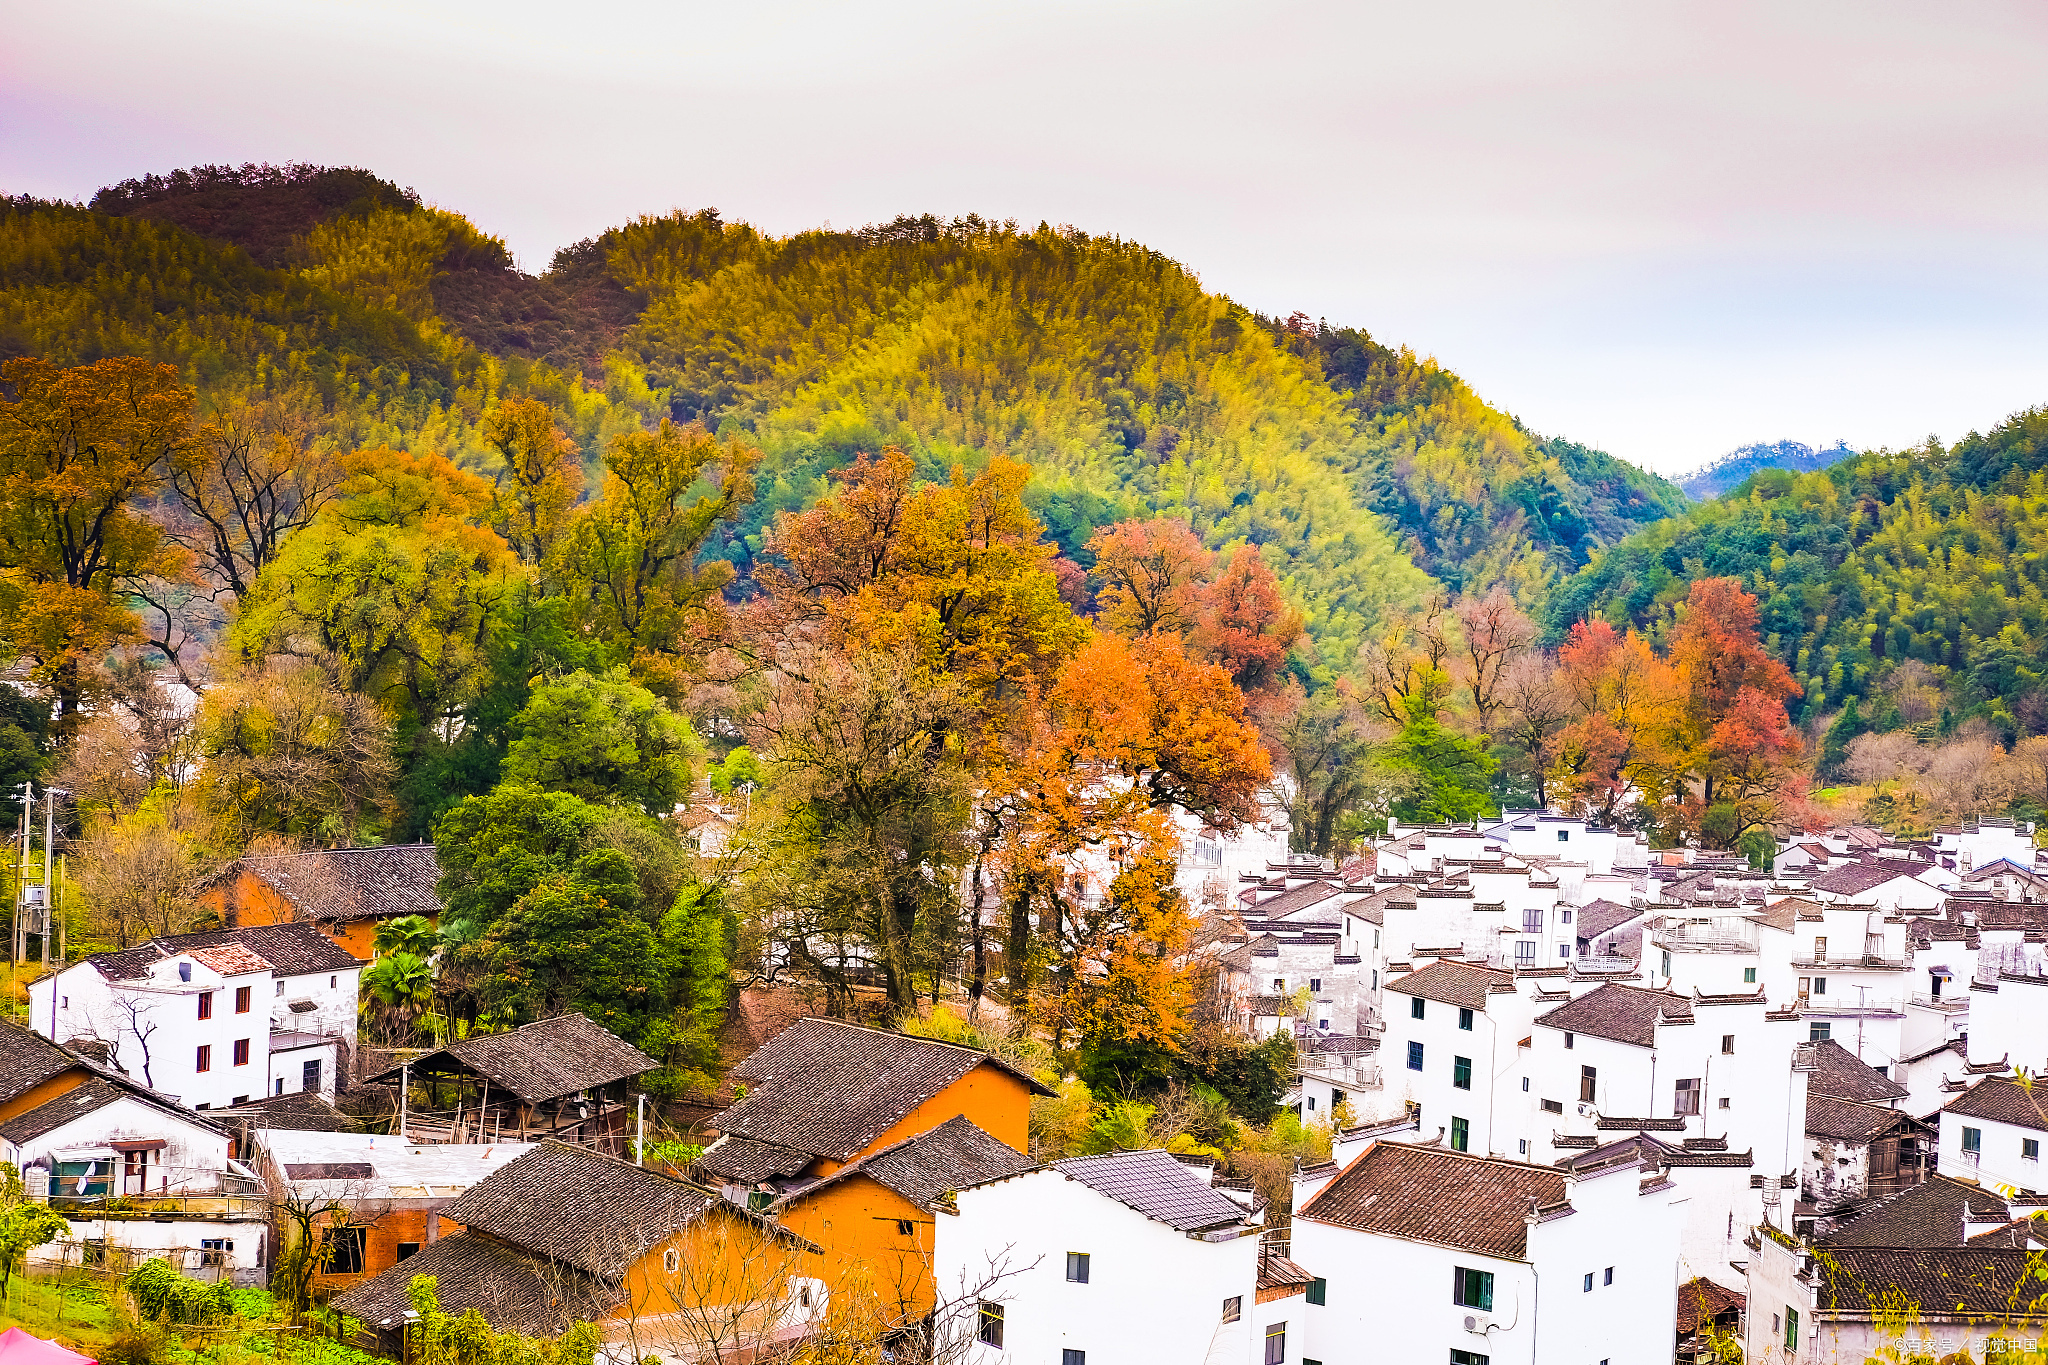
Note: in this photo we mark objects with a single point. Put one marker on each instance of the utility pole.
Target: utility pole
(50, 795)
(20, 940)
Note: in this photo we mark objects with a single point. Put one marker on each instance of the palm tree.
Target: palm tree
(413, 934)
(398, 988)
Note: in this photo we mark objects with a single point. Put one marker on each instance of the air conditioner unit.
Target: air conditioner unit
(1477, 1323)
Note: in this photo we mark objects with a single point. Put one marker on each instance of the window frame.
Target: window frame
(988, 1326)
(1319, 1291)
(1465, 1018)
(1972, 1140)
(1589, 1084)
(206, 1004)
(1461, 1134)
(1418, 1008)
(241, 1052)
(1477, 1283)
(1415, 1054)
(1077, 1260)
(203, 1059)
(242, 994)
(1461, 1073)
(1233, 1308)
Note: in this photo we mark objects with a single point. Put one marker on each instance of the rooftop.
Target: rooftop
(1853, 879)
(1158, 1186)
(1851, 1120)
(1454, 983)
(288, 949)
(348, 883)
(830, 1088)
(27, 1059)
(513, 1290)
(1843, 1075)
(2001, 1101)
(1624, 1014)
(1967, 1282)
(541, 1061)
(1930, 1214)
(1446, 1198)
(95, 1095)
(925, 1168)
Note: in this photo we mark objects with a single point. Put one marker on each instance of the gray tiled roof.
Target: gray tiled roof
(1851, 1120)
(1843, 1075)
(1597, 917)
(1931, 1214)
(830, 1088)
(1853, 879)
(28, 1059)
(94, 1095)
(1454, 983)
(290, 949)
(514, 1292)
(1624, 1014)
(952, 1156)
(541, 1061)
(746, 1162)
(1156, 1185)
(1965, 1282)
(574, 1206)
(2002, 1101)
(349, 883)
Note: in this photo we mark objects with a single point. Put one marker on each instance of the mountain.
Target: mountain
(1360, 471)
(1713, 480)
(1938, 555)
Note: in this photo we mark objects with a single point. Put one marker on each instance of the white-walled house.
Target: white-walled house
(1432, 1255)
(1992, 1133)
(103, 1139)
(1125, 1257)
(1885, 883)
(213, 1019)
(1453, 1048)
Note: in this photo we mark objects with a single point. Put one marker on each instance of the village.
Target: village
(1583, 1100)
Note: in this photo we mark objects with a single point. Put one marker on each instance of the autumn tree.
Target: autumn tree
(1494, 635)
(397, 581)
(1244, 625)
(630, 558)
(288, 751)
(79, 448)
(1339, 780)
(1152, 575)
(539, 477)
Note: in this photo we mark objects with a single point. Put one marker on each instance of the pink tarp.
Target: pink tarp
(22, 1348)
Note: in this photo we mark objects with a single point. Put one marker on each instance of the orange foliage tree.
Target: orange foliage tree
(78, 448)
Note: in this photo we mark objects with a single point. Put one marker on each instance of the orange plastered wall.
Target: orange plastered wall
(246, 900)
(43, 1092)
(991, 1099)
(721, 1259)
(866, 1251)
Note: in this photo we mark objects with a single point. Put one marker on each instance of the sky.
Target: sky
(1666, 230)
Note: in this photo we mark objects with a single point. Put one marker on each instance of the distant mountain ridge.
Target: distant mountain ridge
(1711, 481)
(1366, 476)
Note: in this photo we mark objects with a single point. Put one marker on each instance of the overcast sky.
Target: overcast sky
(1663, 229)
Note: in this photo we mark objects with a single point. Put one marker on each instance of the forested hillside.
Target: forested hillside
(1712, 480)
(1937, 555)
(1106, 367)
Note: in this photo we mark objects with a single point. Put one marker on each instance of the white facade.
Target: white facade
(122, 1146)
(1394, 1298)
(2000, 1155)
(1462, 1065)
(1152, 1292)
(198, 1025)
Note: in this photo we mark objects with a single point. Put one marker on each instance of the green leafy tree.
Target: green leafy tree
(495, 848)
(24, 1226)
(604, 739)
(1453, 775)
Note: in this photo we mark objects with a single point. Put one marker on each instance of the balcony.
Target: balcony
(1948, 1004)
(1364, 1076)
(1723, 935)
(1824, 965)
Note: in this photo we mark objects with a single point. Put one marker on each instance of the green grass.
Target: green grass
(77, 1312)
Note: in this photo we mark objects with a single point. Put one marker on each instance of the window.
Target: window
(1609, 1278)
(184, 971)
(408, 1249)
(1587, 1288)
(332, 982)
(1461, 1072)
(1415, 1056)
(280, 988)
(214, 1251)
(1564, 950)
(1077, 1267)
(1820, 985)
(205, 1059)
(1318, 1292)
(906, 1227)
(1589, 1079)
(1525, 953)
(1667, 962)
(1415, 1007)
(1070, 1356)
(1686, 1100)
(1564, 917)
(1459, 1357)
(1819, 1033)
(1791, 1328)
(241, 1052)
(991, 1331)
(242, 999)
(1820, 950)
(1564, 836)
(1568, 1040)
(2030, 1149)
(1973, 1139)
(1532, 921)
(1233, 1308)
(1522, 1146)
(1461, 1135)
(206, 1004)
(1472, 1288)
(344, 1248)
(1525, 1085)
(1280, 983)
(1727, 1045)
(1553, 1106)
(1465, 1019)
(1722, 1103)
(1315, 984)
(671, 1260)
(1276, 1344)
(1749, 976)
(239, 1099)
